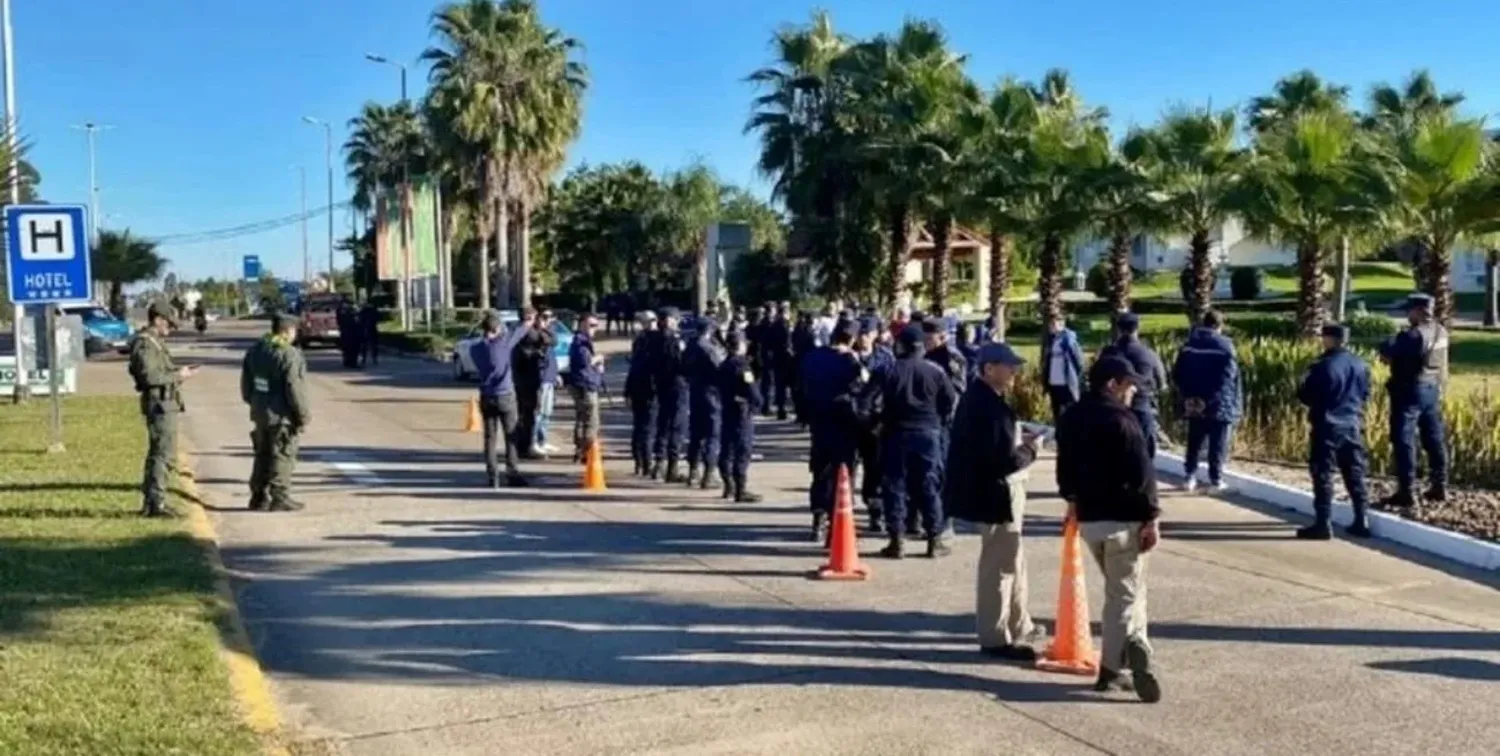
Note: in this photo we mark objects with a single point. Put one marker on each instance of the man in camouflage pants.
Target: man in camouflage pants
(273, 382)
(159, 382)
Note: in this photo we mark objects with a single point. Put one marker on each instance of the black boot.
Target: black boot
(640, 467)
(1401, 499)
(673, 474)
(1318, 531)
(741, 495)
(1437, 493)
(913, 526)
(655, 473)
(877, 522)
(937, 547)
(708, 479)
(894, 549)
(1359, 527)
(819, 527)
(287, 505)
(692, 476)
(728, 492)
(257, 503)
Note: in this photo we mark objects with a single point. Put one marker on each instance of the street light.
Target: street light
(306, 263)
(93, 129)
(328, 154)
(373, 58)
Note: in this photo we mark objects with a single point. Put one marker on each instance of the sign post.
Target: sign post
(47, 251)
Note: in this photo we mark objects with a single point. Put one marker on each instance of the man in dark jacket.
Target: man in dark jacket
(776, 357)
(1148, 366)
(1418, 357)
(530, 362)
(1109, 482)
(585, 379)
(1335, 391)
(497, 395)
(741, 399)
(369, 334)
(916, 396)
(876, 358)
(1207, 375)
(273, 383)
(667, 376)
(1062, 365)
(641, 396)
(986, 485)
(701, 362)
(833, 379)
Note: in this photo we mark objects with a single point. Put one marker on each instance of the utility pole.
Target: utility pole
(95, 216)
(405, 293)
(306, 261)
(328, 157)
(22, 389)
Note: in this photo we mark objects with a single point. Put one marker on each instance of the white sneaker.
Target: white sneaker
(1191, 484)
(1220, 488)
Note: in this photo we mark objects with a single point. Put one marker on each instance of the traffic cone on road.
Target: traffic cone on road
(472, 423)
(593, 470)
(1072, 650)
(843, 548)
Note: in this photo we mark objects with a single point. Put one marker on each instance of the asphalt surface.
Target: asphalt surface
(410, 611)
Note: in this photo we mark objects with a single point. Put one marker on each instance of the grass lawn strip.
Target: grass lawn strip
(110, 624)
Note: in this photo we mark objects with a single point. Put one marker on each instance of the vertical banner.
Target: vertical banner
(389, 253)
(423, 240)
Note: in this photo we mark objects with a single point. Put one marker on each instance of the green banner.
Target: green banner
(420, 242)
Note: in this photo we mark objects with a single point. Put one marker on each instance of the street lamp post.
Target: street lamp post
(403, 301)
(328, 156)
(306, 261)
(93, 129)
(22, 389)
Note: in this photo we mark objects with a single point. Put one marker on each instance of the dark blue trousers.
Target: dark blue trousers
(703, 431)
(832, 448)
(1215, 435)
(736, 441)
(1147, 419)
(671, 425)
(1418, 411)
(912, 471)
(642, 425)
(1342, 448)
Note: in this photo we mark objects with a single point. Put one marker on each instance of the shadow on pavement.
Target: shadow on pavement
(1457, 668)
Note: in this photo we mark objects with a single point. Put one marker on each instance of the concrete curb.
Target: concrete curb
(247, 681)
(1448, 545)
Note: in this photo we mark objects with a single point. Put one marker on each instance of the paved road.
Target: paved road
(410, 611)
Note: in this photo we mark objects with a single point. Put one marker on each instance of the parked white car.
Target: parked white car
(463, 362)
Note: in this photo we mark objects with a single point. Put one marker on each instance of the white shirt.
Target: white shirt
(1057, 368)
(822, 329)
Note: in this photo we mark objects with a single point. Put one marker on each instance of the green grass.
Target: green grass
(109, 623)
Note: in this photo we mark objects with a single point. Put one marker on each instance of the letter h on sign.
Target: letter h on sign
(48, 237)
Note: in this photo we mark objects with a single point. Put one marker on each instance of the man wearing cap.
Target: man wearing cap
(1207, 375)
(985, 483)
(776, 357)
(833, 380)
(585, 379)
(876, 358)
(1062, 365)
(1334, 391)
(272, 381)
(1109, 481)
(641, 395)
(497, 395)
(741, 398)
(667, 375)
(1418, 357)
(159, 382)
(1147, 365)
(701, 361)
(916, 396)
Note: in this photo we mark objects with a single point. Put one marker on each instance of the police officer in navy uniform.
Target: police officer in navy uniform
(1418, 357)
(916, 397)
(876, 358)
(942, 353)
(1335, 391)
(741, 399)
(776, 350)
(670, 380)
(701, 362)
(833, 380)
(641, 395)
(1148, 367)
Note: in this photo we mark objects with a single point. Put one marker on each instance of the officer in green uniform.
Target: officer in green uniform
(159, 382)
(272, 382)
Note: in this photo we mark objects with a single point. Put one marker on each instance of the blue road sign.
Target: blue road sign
(252, 267)
(47, 248)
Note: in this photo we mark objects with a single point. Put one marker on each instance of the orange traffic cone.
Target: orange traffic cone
(472, 423)
(843, 549)
(593, 470)
(1072, 649)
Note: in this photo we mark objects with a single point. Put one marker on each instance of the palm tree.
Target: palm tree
(1395, 110)
(1003, 130)
(1444, 182)
(120, 258)
(386, 145)
(1124, 209)
(1194, 165)
(508, 94)
(1307, 184)
(1294, 95)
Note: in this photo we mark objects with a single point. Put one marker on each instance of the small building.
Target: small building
(968, 272)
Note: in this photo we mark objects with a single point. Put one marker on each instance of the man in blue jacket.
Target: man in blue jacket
(741, 398)
(641, 395)
(497, 395)
(833, 380)
(1418, 357)
(1062, 366)
(916, 396)
(670, 381)
(1207, 376)
(1335, 391)
(1129, 347)
(701, 362)
(585, 378)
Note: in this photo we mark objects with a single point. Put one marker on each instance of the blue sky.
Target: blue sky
(207, 97)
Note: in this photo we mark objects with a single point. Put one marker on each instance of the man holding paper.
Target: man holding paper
(986, 485)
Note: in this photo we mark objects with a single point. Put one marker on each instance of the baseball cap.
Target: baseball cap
(1417, 299)
(1336, 331)
(281, 321)
(910, 336)
(996, 352)
(669, 312)
(159, 310)
(1127, 321)
(1112, 368)
(933, 324)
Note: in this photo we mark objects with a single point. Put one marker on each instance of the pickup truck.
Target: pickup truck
(320, 320)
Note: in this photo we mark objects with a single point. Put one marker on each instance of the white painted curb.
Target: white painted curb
(1454, 546)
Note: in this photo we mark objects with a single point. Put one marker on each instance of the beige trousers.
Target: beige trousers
(1116, 547)
(1000, 613)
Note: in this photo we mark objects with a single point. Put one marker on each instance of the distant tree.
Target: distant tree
(121, 258)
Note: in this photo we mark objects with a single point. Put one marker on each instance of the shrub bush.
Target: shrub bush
(1246, 283)
(1097, 281)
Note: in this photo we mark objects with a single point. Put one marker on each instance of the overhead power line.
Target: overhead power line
(247, 229)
